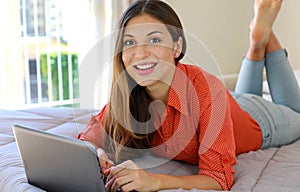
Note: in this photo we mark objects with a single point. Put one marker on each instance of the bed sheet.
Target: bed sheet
(273, 169)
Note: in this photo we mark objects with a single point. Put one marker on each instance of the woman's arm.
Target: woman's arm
(94, 132)
(217, 147)
(129, 176)
(187, 182)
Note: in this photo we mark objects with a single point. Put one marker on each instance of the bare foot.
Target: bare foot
(266, 12)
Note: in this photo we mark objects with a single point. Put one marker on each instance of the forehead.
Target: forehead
(144, 23)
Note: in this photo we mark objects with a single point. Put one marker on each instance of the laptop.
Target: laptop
(57, 163)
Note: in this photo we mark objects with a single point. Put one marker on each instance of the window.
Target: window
(51, 75)
(39, 66)
(43, 45)
(27, 10)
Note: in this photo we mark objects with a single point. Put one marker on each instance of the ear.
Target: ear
(178, 47)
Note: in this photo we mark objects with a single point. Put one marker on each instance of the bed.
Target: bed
(270, 170)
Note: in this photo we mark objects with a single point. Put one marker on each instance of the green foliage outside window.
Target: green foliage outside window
(65, 74)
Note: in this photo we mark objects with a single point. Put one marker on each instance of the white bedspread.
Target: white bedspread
(271, 170)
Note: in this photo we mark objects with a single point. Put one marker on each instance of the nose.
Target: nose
(141, 51)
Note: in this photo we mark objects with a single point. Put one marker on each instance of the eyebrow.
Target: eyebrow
(151, 33)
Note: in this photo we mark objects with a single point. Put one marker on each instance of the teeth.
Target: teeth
(144, 67)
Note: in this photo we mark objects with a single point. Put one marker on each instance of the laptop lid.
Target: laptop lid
(56, 163)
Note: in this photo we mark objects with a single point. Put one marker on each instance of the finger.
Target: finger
(114, 171)
(121, 169)
(107, 171)
(125, 165)
(131, 186)
(121, 182)
(103, 165)
(109, 163)
(106, 167)
(109, 183)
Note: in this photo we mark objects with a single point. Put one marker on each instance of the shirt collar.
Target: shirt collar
(178, 96)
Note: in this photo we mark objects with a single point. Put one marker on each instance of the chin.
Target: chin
(147, 83)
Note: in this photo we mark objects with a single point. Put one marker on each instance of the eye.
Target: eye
(128, 43)
(155, 40)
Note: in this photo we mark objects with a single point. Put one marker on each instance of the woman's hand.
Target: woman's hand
(105, 162)
(128, 176)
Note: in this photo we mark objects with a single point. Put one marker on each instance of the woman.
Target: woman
(181, 112)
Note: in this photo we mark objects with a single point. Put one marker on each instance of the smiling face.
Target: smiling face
(148, 51)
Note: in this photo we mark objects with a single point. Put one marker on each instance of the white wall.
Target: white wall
(222, 25)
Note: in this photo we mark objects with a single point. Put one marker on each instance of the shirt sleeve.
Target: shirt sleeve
(216, 138)
(94, 131)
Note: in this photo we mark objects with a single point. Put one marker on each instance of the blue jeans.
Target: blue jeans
(280, 119)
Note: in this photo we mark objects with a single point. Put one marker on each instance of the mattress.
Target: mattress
(273, 169)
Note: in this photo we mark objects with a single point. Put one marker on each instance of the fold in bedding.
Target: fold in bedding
(274, 169)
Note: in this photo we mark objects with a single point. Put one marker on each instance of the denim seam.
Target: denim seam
(264, 122)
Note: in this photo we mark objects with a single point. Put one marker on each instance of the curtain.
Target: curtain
(11, 68)
(95, 69)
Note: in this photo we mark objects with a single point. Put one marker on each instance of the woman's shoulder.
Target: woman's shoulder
(190, 70)
(101, 114)
(189, 67)
(196, 72)
(201, 78)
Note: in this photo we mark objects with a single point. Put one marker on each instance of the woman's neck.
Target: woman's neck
(159, 94)
(159, 91)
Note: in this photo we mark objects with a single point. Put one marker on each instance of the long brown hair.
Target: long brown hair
(128, 121)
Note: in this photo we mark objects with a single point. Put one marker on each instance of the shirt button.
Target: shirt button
(225, 160)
